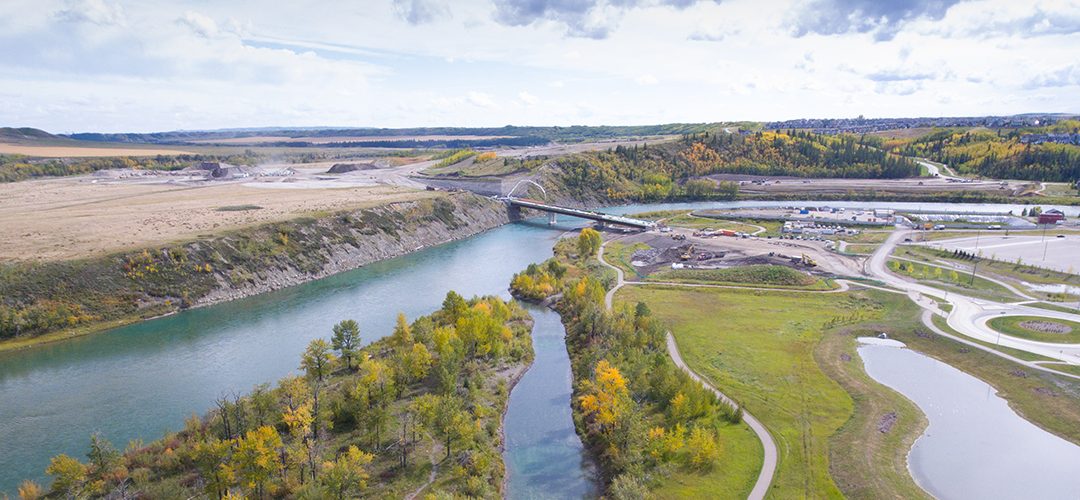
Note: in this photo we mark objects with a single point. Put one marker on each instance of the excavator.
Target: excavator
(688, 254)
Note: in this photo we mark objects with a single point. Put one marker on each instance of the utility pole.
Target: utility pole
(1044, 242)
(974, 267)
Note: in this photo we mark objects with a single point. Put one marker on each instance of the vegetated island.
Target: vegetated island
(415, 414)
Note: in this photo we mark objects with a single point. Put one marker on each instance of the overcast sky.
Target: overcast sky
(154, 65)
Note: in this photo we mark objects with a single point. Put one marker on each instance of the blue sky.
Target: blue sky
(152, 65)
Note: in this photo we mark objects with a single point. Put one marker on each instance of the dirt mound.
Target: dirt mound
(1046, 327)
(342, 168)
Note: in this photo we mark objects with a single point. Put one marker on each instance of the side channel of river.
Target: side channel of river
(975, 446)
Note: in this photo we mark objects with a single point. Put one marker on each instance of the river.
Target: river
(139, 381)
(975, 446)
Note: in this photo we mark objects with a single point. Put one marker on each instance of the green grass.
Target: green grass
(757, 275)
(861, 249)
(682, 218)
(1014, 326)
(1055, 307)
(734, 477)
(618, 254)
(1073, 369)
(1016, 353)
(981, 288)
(1012, 272)
(758, 348)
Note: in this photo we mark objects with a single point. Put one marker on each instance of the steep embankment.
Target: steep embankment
(43, 301)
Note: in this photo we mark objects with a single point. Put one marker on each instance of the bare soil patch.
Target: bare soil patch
(69, 218)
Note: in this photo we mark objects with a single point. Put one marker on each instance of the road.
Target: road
(969, 315)
(768, 467)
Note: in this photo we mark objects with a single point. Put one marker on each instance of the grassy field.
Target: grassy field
(1016, 353)
(926, 274)
(1017, 326)
(761, 354)
(861, 249)
(757, 275)
(860, 441)
(683, 218)
(618, 254)
(740, 461)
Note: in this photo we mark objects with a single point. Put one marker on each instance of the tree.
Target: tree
(451, 422)
(103, 455)
(346, 476)
(703, 449)
(346, 340)
(606, 397)
(255, 458)
(317, 360)
(401, 338)
(211, 459)
(68, 475)
(588, 242)
(30, 490)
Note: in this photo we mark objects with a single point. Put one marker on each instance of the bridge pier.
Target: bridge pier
(551, 219)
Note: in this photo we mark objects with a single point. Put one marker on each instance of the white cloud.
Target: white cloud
(481, 99)
(527, 98)
(646, 79)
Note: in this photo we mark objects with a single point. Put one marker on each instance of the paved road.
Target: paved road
(768, 467)
(969, 315)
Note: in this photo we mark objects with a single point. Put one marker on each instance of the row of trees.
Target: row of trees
(353, 413)
(676, 170)
(17, 167)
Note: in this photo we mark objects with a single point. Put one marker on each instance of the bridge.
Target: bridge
(583, 214)
(517, 204)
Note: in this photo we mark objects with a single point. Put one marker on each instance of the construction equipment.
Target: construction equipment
(688, 254)
(807, 261)
(678, 237)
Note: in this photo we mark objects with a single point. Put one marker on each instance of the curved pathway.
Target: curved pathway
(768, 466)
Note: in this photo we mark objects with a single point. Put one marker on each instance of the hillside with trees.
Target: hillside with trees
(677, 169)
(1000, 154)
(418, 411)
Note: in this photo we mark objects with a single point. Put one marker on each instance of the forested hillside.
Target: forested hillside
(999, 154)
(672, 170)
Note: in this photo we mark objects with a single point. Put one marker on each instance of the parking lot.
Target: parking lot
(1053, 252)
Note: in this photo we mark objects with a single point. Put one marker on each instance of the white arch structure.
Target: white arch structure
(530, 181)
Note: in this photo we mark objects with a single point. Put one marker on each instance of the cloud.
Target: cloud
(898, 76)
(988, 19)
(594, 19)
(646, 80)
(481, 99)
(199, 24)
(528, 99)
(97, 12)
(882, 18)
(420, 11)
(1065, 76)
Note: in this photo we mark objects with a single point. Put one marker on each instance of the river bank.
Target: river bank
(60, 300)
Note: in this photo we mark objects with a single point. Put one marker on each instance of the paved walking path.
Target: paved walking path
(768, 467)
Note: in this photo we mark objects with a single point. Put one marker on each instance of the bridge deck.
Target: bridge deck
(584, 214)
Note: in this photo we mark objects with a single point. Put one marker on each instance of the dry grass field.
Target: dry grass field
(73, 217)
(51, 151)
